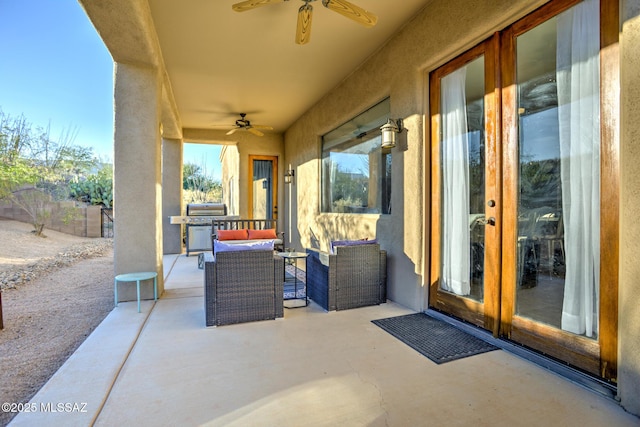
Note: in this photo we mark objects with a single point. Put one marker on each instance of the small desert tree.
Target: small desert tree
(199, 186)
(34, 202)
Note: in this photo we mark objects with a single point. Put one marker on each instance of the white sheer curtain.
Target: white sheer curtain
(578, 80)
(455, 185)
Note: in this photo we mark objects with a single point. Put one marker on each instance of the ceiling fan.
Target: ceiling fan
(303, 30)
(244, 124)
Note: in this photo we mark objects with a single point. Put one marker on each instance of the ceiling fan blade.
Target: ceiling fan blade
(303, 30)
(351, 11)
(232, 131)
(252, 4)
(255, 131)
(263, 127)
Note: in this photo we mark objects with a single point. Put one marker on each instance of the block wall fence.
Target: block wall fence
(85, 221)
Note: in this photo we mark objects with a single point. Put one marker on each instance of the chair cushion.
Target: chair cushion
(241, 234)
(351, 243)
(263, 234)
(240, 242)
(251, 246)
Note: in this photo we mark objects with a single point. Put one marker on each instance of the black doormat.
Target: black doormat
(433, 338)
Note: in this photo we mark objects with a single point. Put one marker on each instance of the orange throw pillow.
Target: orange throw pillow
(232, 234)
(263, 234)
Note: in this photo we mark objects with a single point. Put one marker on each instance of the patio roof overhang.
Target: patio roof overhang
(217, 63)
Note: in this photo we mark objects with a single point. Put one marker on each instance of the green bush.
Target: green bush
(97, 189)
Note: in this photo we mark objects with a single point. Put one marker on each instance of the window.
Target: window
(356, 171)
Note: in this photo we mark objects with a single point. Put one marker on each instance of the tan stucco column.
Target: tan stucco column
(629, 286)
(171, 194)
(137, 178)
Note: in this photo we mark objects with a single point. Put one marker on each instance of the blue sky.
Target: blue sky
(55, 70)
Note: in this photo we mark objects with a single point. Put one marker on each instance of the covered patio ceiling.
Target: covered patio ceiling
(220, 63)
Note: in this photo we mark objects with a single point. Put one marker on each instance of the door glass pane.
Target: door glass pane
(559, 142)
(262, 189)
(463, 170)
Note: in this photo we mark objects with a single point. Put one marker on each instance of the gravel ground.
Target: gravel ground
(55, 291)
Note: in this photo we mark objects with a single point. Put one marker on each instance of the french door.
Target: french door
(524, 188)
(465, 187)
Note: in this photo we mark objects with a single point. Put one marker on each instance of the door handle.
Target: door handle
(489, 221)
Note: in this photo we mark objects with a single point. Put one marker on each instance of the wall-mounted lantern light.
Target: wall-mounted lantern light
(288, 175)
(389, 132)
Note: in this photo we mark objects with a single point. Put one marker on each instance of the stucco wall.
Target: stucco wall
(137, 180)
(398, 70)
(171, 195)
(629, 286)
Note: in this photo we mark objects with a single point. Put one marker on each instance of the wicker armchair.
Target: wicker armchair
(356, 276)
(243, 286)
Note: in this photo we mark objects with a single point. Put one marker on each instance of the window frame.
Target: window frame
(368, 124)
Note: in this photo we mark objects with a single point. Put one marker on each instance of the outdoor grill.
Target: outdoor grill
(198, 224)
(198, 213)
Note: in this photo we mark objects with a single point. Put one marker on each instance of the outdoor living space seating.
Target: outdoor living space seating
(255, 229)
(355, 276)
(243, 286)
(242, 232)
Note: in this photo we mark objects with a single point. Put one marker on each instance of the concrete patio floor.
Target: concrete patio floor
(162, 367)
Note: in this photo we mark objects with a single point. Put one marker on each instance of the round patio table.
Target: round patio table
(137, 277)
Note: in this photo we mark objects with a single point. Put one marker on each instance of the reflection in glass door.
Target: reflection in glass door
(462, 164)
(560, 153)
(466, 239)
(559, 170)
